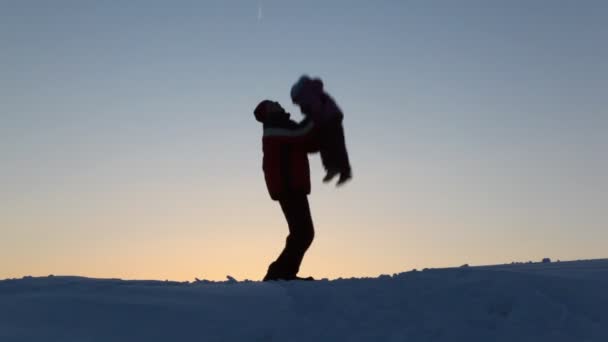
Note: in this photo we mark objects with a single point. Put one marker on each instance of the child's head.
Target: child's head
(306, 92)
(268, 109)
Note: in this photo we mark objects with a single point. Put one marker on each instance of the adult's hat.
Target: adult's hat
(260, 111)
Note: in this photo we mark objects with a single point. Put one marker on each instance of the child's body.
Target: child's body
(315, 102)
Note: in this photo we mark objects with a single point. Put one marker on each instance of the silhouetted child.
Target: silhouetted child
(316, 104)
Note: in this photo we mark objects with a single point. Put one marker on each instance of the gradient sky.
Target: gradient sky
(477, 132)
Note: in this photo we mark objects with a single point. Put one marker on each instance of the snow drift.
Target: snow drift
(565, 301)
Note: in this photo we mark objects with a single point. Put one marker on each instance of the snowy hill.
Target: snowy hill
(565, 301)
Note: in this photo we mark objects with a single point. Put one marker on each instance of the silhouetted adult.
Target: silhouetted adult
(287, 174)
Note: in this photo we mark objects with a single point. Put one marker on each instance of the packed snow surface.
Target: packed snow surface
(550, 301)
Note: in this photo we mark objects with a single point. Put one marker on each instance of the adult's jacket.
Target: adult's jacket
(285, 144)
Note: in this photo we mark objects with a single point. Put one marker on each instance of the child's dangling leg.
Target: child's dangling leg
(333, 153)
(342, 156)
(328, 158)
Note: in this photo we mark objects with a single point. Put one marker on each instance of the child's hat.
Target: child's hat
(297, 88)
(306, 85)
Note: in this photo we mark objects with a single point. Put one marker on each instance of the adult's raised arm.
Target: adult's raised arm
(303, 134)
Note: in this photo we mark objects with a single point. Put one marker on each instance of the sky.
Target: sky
(477, 133)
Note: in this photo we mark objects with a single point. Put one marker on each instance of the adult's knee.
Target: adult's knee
(302, 239)
(306, 237)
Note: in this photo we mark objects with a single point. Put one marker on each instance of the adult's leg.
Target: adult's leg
(301, 233)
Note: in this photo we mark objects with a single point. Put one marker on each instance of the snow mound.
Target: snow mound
(564, 301)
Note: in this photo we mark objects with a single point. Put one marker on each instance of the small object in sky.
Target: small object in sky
(260, 12)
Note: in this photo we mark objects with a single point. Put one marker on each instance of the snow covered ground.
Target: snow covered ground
(565, 301)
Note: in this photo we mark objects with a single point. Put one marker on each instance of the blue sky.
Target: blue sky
(477, 133)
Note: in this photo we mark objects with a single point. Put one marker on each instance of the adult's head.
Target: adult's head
(269, 110)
